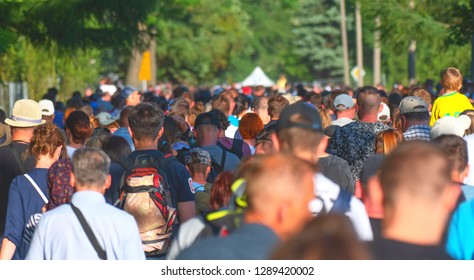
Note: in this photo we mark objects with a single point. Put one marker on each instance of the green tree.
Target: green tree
(317, 44)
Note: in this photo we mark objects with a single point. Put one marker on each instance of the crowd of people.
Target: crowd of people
(240, 173)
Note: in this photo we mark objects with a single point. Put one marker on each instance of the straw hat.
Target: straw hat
(26, 113)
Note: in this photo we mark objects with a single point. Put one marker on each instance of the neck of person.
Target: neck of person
(200, 179)
(22, 135)
(369, 118)
(208, 141)
(44, 161)
(146, 144)
(418, 225)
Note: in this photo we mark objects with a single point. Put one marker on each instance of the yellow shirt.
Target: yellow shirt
(451, 104)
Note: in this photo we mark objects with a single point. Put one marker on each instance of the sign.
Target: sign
(145, 67)
(355, 73)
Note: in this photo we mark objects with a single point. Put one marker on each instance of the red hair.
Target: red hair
(221, 190)
(250, 125)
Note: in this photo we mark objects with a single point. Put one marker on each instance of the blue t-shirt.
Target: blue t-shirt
(460, 241)
(24, 201)
(178, 177)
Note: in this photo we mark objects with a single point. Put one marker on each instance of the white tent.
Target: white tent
(258, 78)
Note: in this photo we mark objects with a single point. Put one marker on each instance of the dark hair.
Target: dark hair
(455, 148)
(116, 147)
(368, 100)
(241, 104)
(276, 104)
(3, 116)
(470, 114)
(417, 116)
(223, 120)
(124, 114)
(79, 126)
(118, 101)
(171, 134)
(222, 103)
(146, 121)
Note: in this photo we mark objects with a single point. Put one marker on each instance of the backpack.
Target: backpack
(145, 194)
(236, 147)
(216, 168)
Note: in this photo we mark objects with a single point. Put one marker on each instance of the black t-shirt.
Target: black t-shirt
(9, 169)
(376, 225)
(338, 171)
(387, 249)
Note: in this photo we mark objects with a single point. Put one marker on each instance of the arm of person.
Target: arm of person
(14, 223)
(8, 249)
(186, 210)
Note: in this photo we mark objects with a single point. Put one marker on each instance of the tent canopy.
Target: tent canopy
(258, 78)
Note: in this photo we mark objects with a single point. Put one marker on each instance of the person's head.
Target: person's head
(198, 162)
(279, 188)
(146, 123)
(195, 111)
(90, 170)
(47, 142)
(450, 125)
(207, 127)
(344, 106)
(59, 183)
(241, 105)
(260, 107)
(180, 107)
(371, 189)
(299, 132)
(124, 114)
(413, 111)
(423, 94)
(418, 195)
(264, 141)
(470, 114)
(116, 147)
(25, 116)
(98, 138)
(221, 190)
(171, 134)
(368, 103)
(78, 127)
(451, 79)
(223, 121)
(221, 102)
(387, 140)
(47, 110)
(276, 104)
(106, 120)
(328, 237)
(455, 148)
(231, 94)
(118, 101)
(258, 91)
(250, 125)
(132, 96)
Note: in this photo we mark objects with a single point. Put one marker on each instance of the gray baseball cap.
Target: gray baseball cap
(413, 104)
(343, 102)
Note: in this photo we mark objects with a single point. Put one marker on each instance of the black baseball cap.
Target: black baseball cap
(307, 111)
(207, 118)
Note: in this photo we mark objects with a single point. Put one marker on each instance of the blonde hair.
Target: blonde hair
(388, 140)
(451, 79)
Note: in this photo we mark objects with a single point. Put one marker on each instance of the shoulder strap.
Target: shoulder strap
(125, 162)
(16, 155)
(342, 203)
(38, 190)
(90, 234)
(237, 145)
(224, 155)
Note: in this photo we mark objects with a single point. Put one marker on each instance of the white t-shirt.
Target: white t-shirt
(328, 192)
(470, 153)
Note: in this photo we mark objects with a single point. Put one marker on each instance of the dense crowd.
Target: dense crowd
(240, 173)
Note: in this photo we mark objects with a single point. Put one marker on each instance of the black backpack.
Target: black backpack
(145, 194)
(236, 148)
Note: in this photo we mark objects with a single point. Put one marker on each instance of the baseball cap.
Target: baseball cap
(127, 91)
(413, 104)
(307, 112)
(105, 118)
(450, 125)
(47, 107)
(208, 118)
(197, 155)
(384, 115)
(343, 102)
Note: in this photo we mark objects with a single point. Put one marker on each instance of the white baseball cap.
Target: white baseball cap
(47, 107)
(450, 125)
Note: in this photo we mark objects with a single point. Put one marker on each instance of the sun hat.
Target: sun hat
(26, 113)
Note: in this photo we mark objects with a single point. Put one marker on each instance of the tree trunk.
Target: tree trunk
(134, 68)
(377, 53)
(345, 48)
(360, 59)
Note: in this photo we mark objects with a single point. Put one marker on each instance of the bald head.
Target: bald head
(279, 189)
